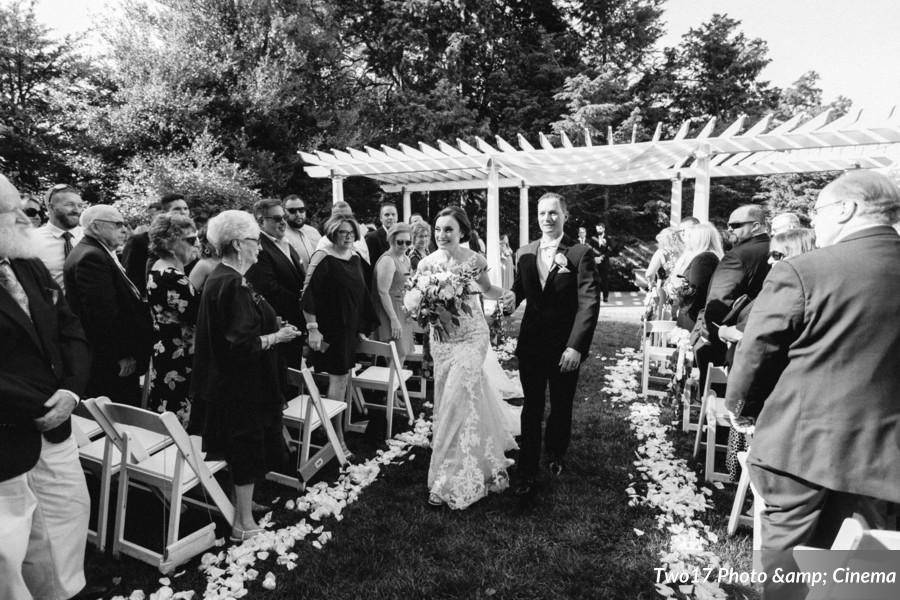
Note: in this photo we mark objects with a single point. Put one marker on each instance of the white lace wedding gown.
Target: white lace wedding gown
(471, 425)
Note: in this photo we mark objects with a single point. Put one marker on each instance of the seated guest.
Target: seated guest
(278, 273)
(421, 238)
(44, 363)
(173, 305)
(59, 235)
(115, 318)
(238, 379)
(817, 369)
(136, 255)
(391, 272)
(784, 222)
(207, 261)
(337, 306)
(694, 270)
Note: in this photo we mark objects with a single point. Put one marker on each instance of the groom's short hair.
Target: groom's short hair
(558, 198)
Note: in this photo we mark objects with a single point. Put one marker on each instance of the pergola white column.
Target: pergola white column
(337, 188)
(407, 205)
(701, 184)
(523, 214)
(493, 224)
(675, 212)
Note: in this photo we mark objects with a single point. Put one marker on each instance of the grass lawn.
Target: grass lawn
(576, 540)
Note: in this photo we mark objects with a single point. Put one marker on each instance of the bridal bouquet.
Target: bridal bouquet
(436, 296)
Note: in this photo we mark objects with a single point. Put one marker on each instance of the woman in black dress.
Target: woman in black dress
(238, 379)
(337, 306)
(694, 270)
(173, 305)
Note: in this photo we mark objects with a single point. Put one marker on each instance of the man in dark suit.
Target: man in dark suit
(278, 274)
(115, 317)
(558, 279)
(136, 255)
(740, 271)
(376, 241)
(44, 361)
(818, 368)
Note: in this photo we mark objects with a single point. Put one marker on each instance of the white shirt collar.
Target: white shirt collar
(550, 242)
(58, 231)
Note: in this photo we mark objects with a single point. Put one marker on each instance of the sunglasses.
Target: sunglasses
(32, 212)
(403, 242)
(191, 239)
(776, 255)
(733, 226)
(295, 211)
(116, 224)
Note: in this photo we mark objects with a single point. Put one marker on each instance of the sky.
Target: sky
(854, 46)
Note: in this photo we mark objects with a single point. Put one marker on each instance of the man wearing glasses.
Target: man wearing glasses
(115, 317)
(56, 238)
(279, 273)
(740, 272)
(299, 234)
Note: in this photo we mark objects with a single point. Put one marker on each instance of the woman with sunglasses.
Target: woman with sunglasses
(391, 272)
(33, 210)
(173, 305)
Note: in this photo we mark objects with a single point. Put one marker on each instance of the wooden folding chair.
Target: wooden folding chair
(103, 460)
(305, 414)
(390, 379)
(655, 350)
(172, 471)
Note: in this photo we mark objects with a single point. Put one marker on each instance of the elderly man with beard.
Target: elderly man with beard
(115, 318)
(56, 238)
(44, 362)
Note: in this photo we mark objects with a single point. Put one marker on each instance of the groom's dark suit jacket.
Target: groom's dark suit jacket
(38, 356)
(562, 314)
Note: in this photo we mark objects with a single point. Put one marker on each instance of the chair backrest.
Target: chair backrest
(386, 350)
(658, 331)
(111, 416)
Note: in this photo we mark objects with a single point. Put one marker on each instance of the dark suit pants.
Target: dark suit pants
(536, 376)
(799, 512)
(105, 381)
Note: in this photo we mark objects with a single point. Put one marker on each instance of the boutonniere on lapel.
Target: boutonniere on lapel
(561, 263)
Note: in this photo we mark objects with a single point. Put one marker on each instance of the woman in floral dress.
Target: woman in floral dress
(173, 305)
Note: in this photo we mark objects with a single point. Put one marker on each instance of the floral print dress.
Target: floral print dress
(173, 305)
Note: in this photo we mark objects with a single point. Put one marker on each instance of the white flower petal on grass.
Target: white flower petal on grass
(638, 532)
(269, 582)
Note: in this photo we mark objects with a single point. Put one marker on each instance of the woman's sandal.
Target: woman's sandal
(434, 500)
(239, 535)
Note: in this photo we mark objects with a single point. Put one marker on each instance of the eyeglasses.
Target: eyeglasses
(776, 255)
(345, 232)
(403, 242)
(295, 211)
(276, 218)
(116, 224)
(733, 226)
(32, 212)
(818, 209)
(249, 239)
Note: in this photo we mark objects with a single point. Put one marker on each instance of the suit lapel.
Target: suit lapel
(531, 270)
(563, 249)
(9, 306)
(278, 256)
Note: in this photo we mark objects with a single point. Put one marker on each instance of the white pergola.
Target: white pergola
(799, 145)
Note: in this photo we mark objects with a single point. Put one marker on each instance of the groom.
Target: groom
(558, 278)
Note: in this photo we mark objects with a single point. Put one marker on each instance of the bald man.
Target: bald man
(817, 368)
(115, 317)
(44, 362)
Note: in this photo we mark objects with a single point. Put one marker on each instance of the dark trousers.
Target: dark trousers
(105, 381)
(536, 376)
(799, 512)
(603, 271)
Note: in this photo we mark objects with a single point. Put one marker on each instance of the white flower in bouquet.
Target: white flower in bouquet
(447, 293)
(412, 300)
(422, 283)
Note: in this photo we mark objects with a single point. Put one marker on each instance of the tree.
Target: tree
(38, 77)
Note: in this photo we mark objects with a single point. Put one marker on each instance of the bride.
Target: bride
(471, 431)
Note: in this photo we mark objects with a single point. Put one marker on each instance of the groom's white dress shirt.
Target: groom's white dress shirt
(546, 253)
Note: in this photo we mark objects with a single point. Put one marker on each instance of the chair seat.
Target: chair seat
(379, 376)
(295, 413)
(162, 466)
(719, 410)
(151, 442)
(417, 354)
(88, 427)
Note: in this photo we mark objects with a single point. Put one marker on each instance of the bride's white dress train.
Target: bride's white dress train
(471, 425)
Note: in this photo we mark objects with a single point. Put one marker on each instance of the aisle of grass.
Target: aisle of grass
(576, 541)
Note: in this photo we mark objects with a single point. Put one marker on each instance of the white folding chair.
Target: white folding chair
(655, 350)
(390, 379)
(417, 357)
(714, 376)
(172, 471)
(736, 517)
(305, 414)
(103, 460)
(691, 401)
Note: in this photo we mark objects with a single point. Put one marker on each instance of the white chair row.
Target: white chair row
(656, 350)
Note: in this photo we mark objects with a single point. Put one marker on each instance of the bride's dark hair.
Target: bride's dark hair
(465, 226)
